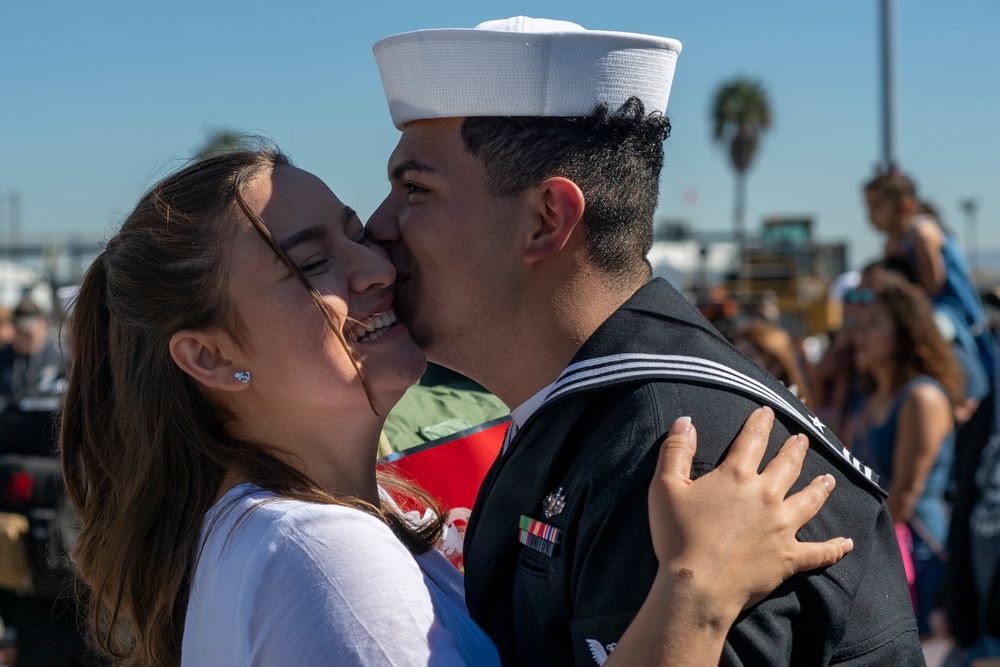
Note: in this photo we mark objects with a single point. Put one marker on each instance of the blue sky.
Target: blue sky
(99, 99)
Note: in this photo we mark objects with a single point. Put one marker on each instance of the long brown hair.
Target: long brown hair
(920, 347)
(144, 453)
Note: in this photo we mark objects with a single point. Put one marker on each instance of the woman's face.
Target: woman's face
(874, 336)
(293, 356)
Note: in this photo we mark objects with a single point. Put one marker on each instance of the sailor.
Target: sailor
(523, 189)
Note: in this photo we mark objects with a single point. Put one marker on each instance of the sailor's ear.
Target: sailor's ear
(209, 358)
(558, 205)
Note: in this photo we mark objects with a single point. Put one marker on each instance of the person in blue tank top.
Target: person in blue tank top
(916, 236)
(905, 427)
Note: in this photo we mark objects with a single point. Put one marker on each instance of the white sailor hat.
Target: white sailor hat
(522, 67)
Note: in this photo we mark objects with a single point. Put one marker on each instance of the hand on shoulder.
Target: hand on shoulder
(733, 530)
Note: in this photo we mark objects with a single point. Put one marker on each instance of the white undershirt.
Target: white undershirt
(523, 412)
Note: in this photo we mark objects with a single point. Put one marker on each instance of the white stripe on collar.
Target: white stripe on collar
(619, 368)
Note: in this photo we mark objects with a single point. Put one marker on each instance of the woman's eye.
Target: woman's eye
(314, 265)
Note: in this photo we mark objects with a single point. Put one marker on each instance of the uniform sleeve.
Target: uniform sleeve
(334, 586)
(856, 612)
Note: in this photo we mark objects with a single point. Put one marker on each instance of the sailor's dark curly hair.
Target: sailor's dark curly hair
(614, 158)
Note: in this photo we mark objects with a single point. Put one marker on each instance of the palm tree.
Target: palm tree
(740, 115)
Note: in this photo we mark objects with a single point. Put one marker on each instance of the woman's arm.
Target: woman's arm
(928, 241)
(723, 541)
(925, 420)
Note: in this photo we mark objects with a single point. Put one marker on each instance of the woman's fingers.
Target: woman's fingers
(786, 466)
(806, 504)
(802, 507)
(748, 448)
(677, 451)
(813, 555)
(733, 524)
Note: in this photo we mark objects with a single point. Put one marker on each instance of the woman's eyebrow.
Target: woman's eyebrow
(314, 233)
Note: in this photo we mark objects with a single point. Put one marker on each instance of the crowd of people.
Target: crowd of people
(908, 382)
(238, 343)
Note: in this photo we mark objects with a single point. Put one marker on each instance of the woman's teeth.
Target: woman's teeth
(373, 326)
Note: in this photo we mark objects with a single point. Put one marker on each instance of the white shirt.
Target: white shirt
(521, 413)
(283, 582)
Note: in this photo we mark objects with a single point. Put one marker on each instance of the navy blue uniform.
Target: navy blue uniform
(588, 455)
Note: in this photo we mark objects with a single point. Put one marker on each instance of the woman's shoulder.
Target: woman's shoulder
(924, 394)
(923, 387)
(308, 583)
(250, 523)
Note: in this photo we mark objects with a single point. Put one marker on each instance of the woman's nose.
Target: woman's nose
(372, 269)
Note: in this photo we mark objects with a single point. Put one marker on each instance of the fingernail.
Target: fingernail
(828, 481)
(802, 441)
(682, 425)
(848, 544)
(768, 411)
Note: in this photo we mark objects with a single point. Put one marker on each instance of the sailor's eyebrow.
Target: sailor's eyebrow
(410, 165)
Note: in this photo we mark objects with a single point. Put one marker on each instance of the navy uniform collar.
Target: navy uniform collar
(633, 346)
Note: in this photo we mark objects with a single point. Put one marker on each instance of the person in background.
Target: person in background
(833, 379)
(6, 326)
(971, 589)
(32, 383)
(916, 237)
(31, 365)
(772, 349)
(904, 429)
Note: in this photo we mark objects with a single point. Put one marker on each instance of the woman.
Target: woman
(235, 352)
(905, 428)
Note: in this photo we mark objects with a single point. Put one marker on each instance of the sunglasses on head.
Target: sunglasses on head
(863, 295)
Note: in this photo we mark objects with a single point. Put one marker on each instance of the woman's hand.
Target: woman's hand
(724, 541)
(731, 533)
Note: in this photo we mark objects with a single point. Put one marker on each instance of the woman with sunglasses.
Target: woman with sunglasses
(904, 429)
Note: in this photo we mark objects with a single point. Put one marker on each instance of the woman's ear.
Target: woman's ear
(208, 358)
(558, 204)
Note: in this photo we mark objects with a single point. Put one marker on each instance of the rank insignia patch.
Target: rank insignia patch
(538, 536)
